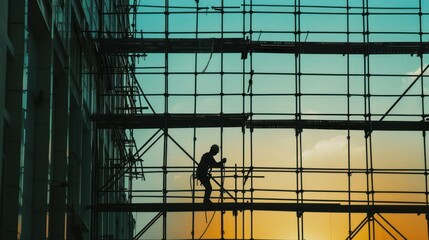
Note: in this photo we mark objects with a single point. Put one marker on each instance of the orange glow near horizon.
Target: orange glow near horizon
(324, 149)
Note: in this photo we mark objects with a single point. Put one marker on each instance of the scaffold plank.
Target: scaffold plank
(140, 121)
(342, 125)
(287, 207)
(144, 121)
(238, 45)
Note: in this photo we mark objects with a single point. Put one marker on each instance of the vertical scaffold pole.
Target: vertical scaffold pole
(243, 130)
(251, 116)
(367, 109)
(96, 177)
(95, 184)
(425, 162)
(349, 174)
(165, 154)
(222, 215)
(235, 196)
(194, 142)
(298, 131)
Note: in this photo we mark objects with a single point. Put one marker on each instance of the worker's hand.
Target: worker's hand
(223, 160)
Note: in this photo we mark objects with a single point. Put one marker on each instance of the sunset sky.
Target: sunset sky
(277, 147)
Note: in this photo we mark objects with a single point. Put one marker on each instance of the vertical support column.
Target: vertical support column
(12, 154)
(4, 38)
(12, 160)
(60, 184)
(42, 138)
(95, 177)
(88, 148)
(102, 178)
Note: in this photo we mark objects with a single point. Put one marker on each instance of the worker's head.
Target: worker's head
(214, 149)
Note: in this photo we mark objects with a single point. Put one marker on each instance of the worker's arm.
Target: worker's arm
(217, 164)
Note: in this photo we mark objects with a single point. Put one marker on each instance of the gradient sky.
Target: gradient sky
(277, 147)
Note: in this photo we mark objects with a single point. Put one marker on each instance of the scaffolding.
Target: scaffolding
(257, 104)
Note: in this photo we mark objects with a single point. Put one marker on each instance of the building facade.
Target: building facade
(47, 95)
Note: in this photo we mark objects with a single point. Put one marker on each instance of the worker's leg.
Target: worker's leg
(206, 183)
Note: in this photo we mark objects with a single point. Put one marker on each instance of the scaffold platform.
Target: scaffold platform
(144, 121)
(286, 207)
(342, 125)
(140, 121)
(239, 45)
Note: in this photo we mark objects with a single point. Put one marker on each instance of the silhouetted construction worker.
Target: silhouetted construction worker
(208, 162)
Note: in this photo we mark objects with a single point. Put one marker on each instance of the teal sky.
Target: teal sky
(278, 147)
(181, 66)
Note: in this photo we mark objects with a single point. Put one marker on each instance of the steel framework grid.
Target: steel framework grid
(248, 118)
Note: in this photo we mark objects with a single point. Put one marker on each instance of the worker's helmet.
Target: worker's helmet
(214, 149)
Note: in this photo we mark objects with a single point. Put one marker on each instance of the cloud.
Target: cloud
(412, 76)
(326, 148)
(334, 148)
(360, 150)
(312, 114)
(417, 72)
